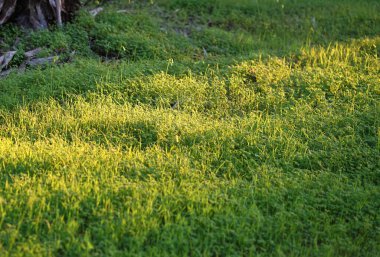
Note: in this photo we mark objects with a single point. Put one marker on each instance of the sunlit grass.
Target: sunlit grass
(215, 133)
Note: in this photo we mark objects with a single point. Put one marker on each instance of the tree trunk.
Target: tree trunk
(37, 13)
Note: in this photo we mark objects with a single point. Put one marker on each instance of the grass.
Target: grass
(195, 128)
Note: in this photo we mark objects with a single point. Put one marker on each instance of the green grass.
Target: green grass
(195, 128)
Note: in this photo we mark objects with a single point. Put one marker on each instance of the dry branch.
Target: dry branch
(6, 58)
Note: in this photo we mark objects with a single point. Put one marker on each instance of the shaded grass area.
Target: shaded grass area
(191, 128)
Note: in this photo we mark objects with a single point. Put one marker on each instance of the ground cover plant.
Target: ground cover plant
(195, 128)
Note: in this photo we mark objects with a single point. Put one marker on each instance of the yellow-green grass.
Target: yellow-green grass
(254, 135)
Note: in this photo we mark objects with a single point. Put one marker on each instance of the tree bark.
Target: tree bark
(37, 13)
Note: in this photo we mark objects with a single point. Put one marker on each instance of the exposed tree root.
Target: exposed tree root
(37, 13)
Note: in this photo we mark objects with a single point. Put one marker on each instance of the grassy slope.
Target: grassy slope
(232, 128)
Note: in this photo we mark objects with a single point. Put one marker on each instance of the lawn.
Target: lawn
(195, 128)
